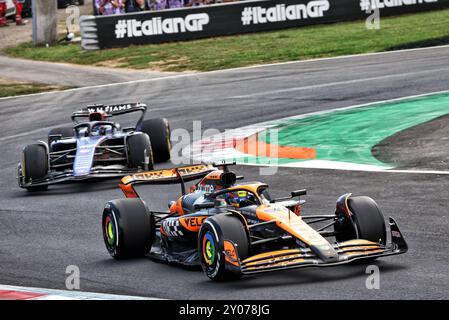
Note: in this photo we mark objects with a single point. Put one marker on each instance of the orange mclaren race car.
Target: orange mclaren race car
(233, 229)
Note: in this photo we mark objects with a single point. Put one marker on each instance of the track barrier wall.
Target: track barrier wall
(99, 32)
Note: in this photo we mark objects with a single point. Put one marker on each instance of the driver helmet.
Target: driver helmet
(97, 116)
(236, 197)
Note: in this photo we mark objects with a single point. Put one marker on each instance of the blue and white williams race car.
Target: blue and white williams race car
(95, 147)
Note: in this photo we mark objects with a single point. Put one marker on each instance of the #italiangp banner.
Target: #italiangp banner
(241, 17)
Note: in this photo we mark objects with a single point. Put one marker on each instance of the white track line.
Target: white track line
(301, 116)
(292, 165)
(53, 294)
(196, 74)
(331, 84)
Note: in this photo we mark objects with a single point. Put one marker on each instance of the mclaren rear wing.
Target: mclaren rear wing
(166, 176)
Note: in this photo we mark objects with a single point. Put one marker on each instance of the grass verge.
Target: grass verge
(407, 31)
(13, 88)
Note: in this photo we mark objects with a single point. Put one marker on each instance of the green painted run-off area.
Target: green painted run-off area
(349, 135)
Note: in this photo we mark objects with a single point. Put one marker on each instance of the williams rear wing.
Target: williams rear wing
(165, 176)
(111, 110)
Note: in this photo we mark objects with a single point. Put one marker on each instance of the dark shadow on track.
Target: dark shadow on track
(68, 188)
(274, 279)
(80, 187)
(305, 276)
(177, 266)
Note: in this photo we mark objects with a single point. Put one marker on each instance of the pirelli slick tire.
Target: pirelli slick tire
(211, 245)
(138, 146)
(128, 228)
(159, 132)
(35, 165)
(65, 132)
(367, 221)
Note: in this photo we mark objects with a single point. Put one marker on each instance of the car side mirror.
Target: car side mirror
(205, 205)
(298, 193)
(228, 178)
(55, 136)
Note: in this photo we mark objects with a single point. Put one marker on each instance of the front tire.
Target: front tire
(128, 228)
(159, 132)
(35, 165)
(367, 221)
(139, 145)
(214, 231)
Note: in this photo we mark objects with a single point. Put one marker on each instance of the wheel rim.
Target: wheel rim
(110, 231)
(209, 249)
(168, 136)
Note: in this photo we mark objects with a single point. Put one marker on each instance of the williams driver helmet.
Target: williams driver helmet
(98, 116)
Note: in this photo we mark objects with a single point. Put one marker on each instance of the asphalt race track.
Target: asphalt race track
(42, 233)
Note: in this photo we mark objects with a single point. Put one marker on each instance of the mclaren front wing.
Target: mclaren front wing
(348, 251)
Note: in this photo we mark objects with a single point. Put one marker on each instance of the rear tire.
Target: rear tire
(35, 164)
(368, 221)
(65, 132)
(137, 144)
(213, 232)
(128, 228)
(159, 132)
